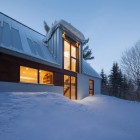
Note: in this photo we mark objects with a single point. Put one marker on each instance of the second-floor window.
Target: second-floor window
(71, 56)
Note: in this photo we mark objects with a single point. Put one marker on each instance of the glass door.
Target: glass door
(70, 87)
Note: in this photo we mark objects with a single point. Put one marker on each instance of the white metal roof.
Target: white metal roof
(18, 39)
(67, 27)
(22, 41)
(88, 70)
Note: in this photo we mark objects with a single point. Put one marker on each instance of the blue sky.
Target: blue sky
(112, 25)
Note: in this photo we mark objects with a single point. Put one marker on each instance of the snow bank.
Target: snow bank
(50, 116)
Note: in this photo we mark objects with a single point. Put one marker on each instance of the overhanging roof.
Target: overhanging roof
(19, 40)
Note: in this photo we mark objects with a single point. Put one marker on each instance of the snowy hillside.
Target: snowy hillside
(48, 116)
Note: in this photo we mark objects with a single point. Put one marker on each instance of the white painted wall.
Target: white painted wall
(27, 87)
(83, 85)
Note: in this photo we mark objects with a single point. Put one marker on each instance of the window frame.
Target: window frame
(72, 44)
(70, 85)
(91, 89)
(37, 76)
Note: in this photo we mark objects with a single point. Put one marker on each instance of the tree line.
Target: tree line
(124, 80)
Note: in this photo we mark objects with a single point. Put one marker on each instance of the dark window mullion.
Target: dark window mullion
(70, 56)
(70, 87)
(38, 76)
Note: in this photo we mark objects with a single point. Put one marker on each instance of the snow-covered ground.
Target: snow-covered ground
(47, 116)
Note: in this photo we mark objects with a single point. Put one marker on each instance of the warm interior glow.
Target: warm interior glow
(70, 87)
(70, 56)
(66, 55)
(46, 77)
(28, 75)
(91, 87)
(73, 88)
(73, 51)
(73, 65)
(64, 35)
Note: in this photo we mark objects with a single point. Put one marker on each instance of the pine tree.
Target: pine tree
(104, 82)
(87, 53)
(115, 81)
(125, 87)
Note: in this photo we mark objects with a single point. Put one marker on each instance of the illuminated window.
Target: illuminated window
(28, 75)
(73, 65)
(45, 77)
(73, 88)
(66, 55)
(70, 87)
(71, 59)
(91, 87)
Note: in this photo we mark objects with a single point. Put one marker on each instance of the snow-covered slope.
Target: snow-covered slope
(50, 116)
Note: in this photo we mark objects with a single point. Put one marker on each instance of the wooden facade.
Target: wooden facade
(10, 69)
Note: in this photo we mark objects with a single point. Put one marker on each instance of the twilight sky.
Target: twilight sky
(112, 25)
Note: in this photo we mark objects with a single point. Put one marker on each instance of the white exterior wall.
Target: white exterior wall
(83, 85)
(27, 87)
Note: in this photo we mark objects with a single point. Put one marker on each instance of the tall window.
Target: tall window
(91, 87)
(70, 87)
(71, 56)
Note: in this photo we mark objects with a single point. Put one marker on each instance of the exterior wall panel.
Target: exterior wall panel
(83, 86)
(26, 87)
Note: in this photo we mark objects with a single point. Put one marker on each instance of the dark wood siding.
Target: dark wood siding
(58, 79)
(10, 69)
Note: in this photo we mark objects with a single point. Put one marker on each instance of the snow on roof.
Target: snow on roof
(68, 28)
(20, 40)
(87, 69)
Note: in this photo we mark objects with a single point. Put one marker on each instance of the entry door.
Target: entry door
(91, 87)
(70, 87)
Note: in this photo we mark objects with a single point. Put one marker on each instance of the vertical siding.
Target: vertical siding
(55, 46)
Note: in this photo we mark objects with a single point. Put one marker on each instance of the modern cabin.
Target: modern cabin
(32, 62)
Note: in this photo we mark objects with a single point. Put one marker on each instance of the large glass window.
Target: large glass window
(31, 75)
(71, 59)
(70, 87)
(66, 55)
(67, 86)
(45, 77)
(28, 75)
(73, 88)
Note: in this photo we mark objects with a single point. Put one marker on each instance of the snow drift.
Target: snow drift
(50, 116)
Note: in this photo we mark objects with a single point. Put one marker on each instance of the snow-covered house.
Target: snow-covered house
(32, 62)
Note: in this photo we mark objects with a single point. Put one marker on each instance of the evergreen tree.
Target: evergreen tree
(125, 87)
(115, 81)
(104, 82)
(46, 27)
(87, 53)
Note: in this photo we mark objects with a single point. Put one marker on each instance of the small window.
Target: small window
(28, 75)
(91, 87)
(45, 77)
